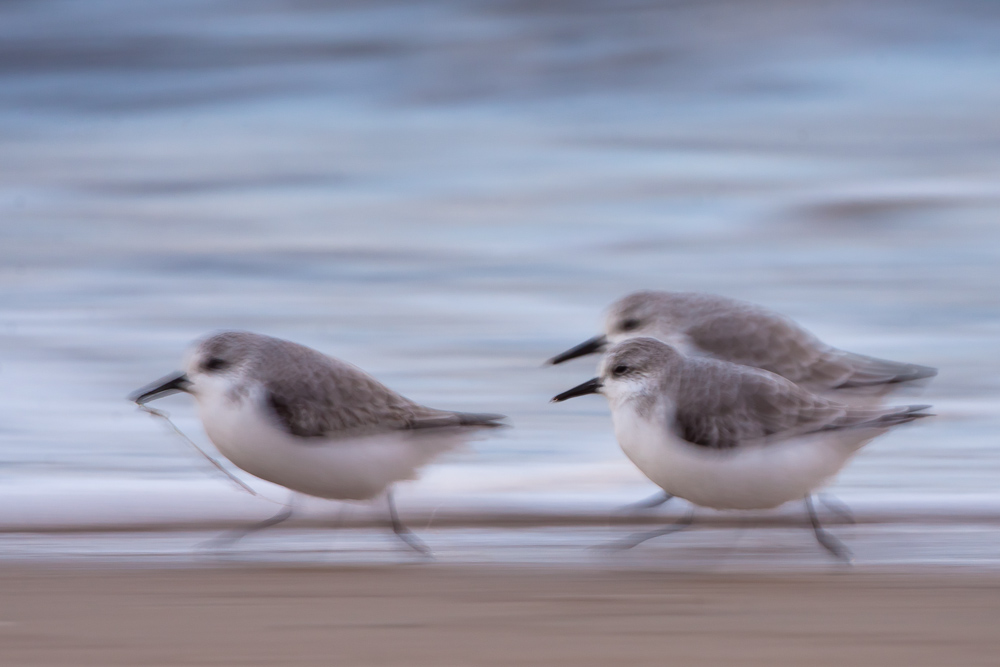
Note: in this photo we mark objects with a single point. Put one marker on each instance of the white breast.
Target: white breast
(348, 469)
(754, 476)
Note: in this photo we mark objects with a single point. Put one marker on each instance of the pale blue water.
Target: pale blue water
(447, 194)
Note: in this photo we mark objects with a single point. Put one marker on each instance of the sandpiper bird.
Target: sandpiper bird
(728, 436)
(314, 424)
(718, 327)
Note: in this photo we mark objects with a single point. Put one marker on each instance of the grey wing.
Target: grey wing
(721, 406)
(445, 419)
(758, 338)
(312, 395)
(762, 339)
(327, 403)
(725, 405)
(862, 371)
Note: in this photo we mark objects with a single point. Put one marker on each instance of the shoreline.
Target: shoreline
(116, 505)
(747, 549)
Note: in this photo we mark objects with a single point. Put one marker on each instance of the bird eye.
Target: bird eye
(630, 324)
(215, 364)
(620, 369)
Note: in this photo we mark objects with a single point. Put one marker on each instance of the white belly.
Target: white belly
(349, 469)
(754, 476)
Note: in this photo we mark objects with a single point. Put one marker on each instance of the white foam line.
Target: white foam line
(110, 505)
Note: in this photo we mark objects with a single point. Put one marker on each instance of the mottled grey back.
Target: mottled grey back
(719, 404)
(314, 395)
(744, 333)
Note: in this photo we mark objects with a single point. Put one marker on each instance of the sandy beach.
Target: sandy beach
(427, 614)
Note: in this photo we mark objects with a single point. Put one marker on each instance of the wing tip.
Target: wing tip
(485, 419)
(906, 373)
(905, 414)
(916, 372)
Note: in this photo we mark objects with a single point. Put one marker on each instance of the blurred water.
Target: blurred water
(448, 193)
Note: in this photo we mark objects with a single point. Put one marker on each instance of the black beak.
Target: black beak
(588, 387)
(171, 384)
(595, 344)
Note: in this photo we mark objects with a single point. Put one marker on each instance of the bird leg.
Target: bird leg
(639, 538)
(837, 506)
(231, 537)
(828, 541)
(649, 503)
(402, 532)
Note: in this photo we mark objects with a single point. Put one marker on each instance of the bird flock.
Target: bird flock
(722, 403)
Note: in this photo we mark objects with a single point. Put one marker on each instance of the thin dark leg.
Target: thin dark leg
(647, 504)
(231, 537)
(829, 542)
(639, 538)
(402, 531)
(837, 506)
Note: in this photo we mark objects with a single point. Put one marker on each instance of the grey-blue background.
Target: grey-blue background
(448, 193)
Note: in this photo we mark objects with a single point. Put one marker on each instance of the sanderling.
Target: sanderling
(728, 436)
(743, 333)
(314, 424)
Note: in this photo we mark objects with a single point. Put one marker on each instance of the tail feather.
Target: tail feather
(870, 371)
(904, 415)
(868, 418)
(480, 419)
(445, 419)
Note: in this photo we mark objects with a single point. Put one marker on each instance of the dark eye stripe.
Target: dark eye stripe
(215, 364)
(630, 324)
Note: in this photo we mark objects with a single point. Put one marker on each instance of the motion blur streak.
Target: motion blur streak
(447, 192)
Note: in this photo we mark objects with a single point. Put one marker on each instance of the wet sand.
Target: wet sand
(428, 614)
